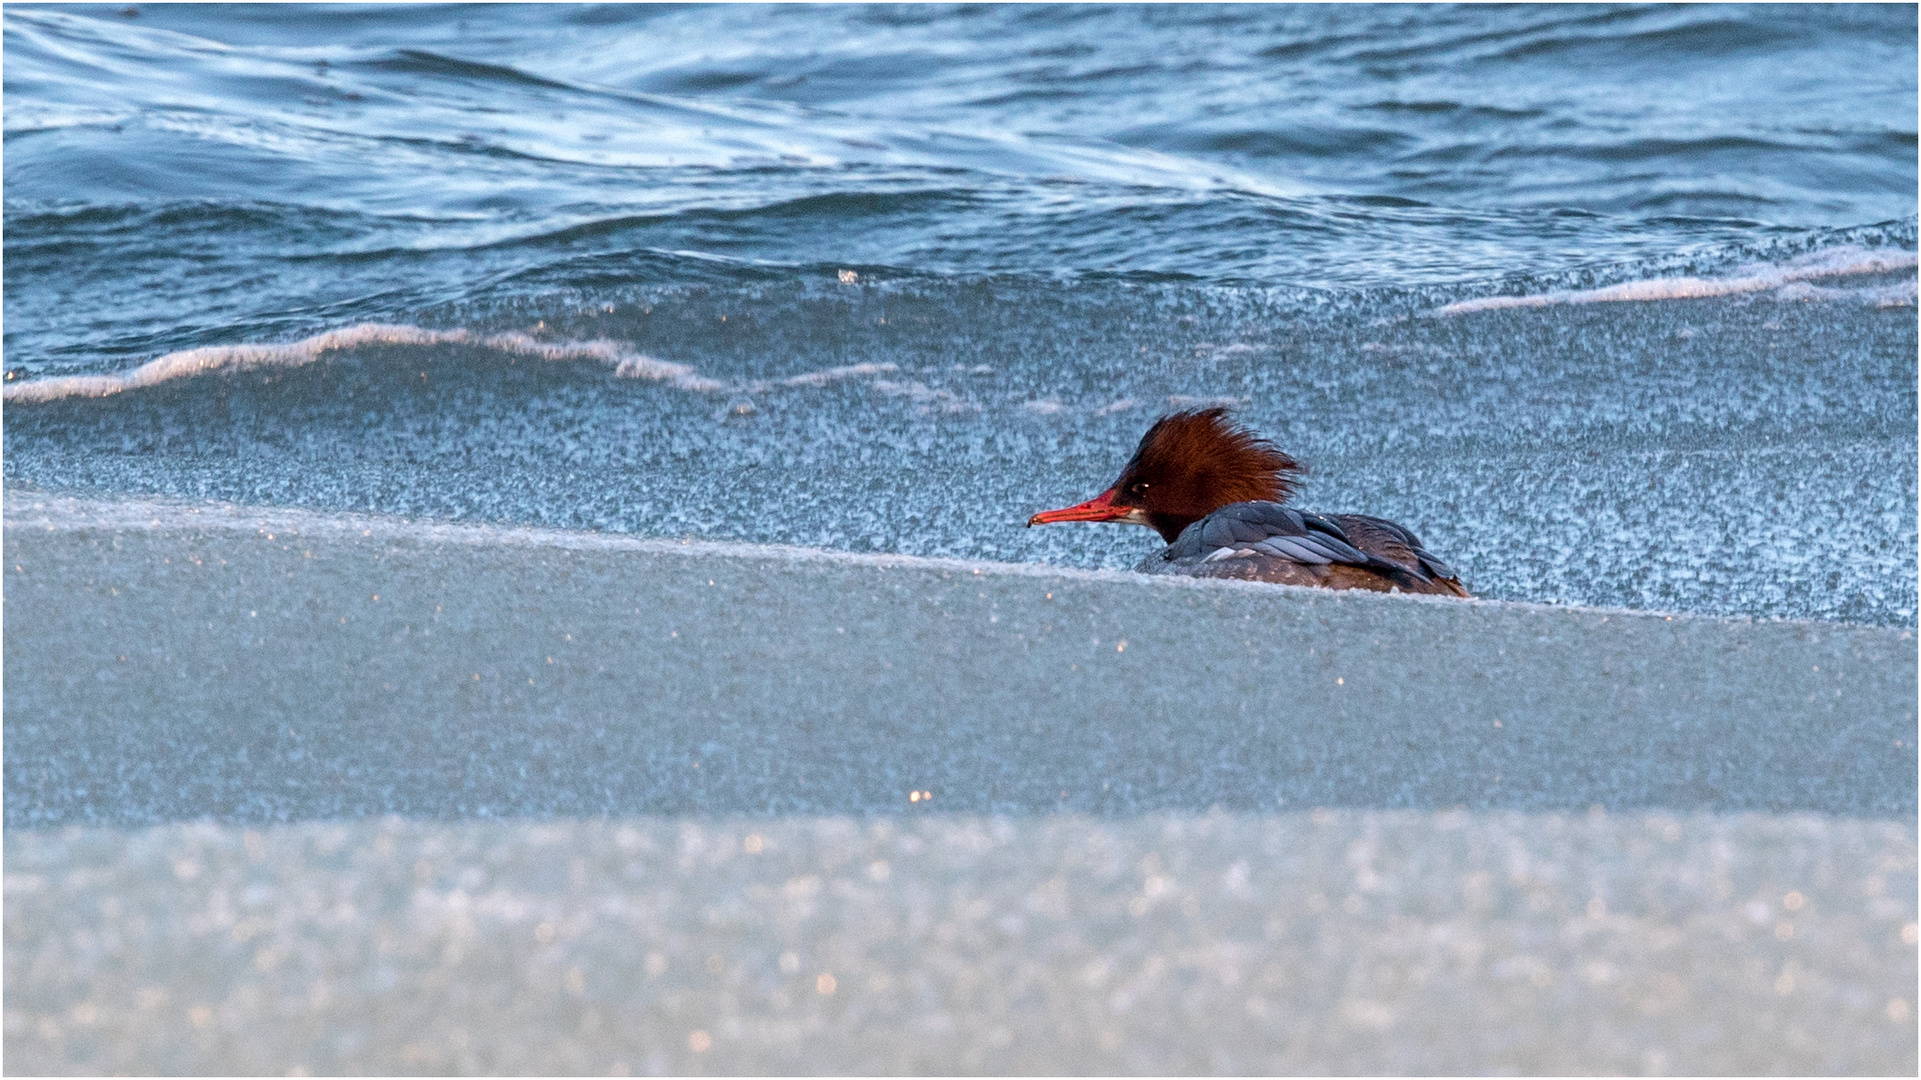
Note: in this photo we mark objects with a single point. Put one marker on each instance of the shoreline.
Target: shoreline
(53, 511)
(287, 666)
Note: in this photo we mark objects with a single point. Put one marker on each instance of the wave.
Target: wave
(219, 359)
(625, 362)
(1790, 277)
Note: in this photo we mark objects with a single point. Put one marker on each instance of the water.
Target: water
(883, 279)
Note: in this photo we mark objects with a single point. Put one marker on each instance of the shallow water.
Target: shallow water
(892, 279)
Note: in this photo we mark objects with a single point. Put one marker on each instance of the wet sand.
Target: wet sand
(265, 666)
(1343, 942)
(1168, 826)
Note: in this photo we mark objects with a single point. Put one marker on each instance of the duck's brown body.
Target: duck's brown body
(1215, 491)
(1281, 572)
(1395, 560)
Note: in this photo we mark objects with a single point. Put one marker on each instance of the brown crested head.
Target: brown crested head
(1192, 463)
(1188, 465)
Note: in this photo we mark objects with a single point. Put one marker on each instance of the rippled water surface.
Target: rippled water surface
(1613, 305)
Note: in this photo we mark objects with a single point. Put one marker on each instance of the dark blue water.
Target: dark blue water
(893, 278)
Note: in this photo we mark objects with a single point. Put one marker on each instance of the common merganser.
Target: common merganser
(1214, 491)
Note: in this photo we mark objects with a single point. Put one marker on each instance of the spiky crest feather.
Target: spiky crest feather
(1191, 463)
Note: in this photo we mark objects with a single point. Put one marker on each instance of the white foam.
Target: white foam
(1053, 406)
(1899, 294)
(213, 359)
(927, 398)
(1838, 262)
(836, 374)
(1185, 401)
(217, 359)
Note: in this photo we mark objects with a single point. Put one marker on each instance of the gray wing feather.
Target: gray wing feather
(1256, 530)
(1308, 549)
(1266, 528)
(1287, 547)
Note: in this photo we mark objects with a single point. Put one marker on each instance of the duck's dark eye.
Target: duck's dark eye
(1138, 489)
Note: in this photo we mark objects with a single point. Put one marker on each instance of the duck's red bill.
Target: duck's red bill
(1099, 508)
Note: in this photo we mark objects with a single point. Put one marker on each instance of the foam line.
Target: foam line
(836, 374)
(1053, 407)
(217, 359)
(212, 359)
(1838, 263)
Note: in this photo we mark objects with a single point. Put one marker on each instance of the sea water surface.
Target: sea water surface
(1612, 305)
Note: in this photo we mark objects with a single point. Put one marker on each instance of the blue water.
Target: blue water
(893, 278)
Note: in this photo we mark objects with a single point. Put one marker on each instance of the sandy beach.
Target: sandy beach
(170, 662)
(1339, 942)
(352, 793)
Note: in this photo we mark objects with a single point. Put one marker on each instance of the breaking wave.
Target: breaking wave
(1791, 279)
(625, 362)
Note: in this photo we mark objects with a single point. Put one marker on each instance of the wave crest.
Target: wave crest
(1839, 262)
(217, 359)
(625, 362)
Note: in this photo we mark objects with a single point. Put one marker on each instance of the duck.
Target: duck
(1216, 492)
